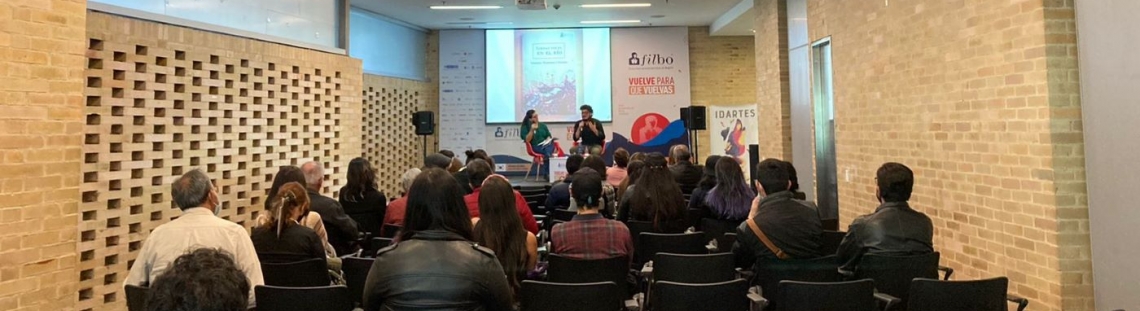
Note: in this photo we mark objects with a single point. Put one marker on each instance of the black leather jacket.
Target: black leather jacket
(436, 270)
(792, 225)
(894, 229)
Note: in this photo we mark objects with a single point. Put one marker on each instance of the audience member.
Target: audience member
(479, 170)
(397, 209)
(312, 220)
(894, 229)
(436, 160)
(559, 195)
(204, 279)
(795, 189)
(634, 169)
(708, 181)
(282, 238)
(637, 156)
(197, 227)
(609, 194)
(500, 229)
(655, 198)
(342, 230)
(462, 176)
(777, 226)
(615, 174)
(436, 265)
(589, 235)
(685, 173)
(361, 198)
(731, 199)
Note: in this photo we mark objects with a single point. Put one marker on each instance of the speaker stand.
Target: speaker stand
(693, 145)
(425, 146)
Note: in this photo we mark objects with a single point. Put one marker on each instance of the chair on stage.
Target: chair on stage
(537, 159)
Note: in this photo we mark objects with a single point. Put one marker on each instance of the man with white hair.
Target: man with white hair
(394, 215)
(342, 230)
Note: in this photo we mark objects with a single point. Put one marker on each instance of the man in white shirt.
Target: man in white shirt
(197, 227)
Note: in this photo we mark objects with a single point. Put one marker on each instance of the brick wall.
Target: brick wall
(161, 100)
(723, 73)
(980, 98)
(41, 94)
(773, 94)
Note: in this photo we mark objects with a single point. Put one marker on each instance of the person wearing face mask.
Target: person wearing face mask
(197, 227)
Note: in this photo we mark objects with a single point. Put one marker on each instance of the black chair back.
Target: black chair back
(723, 296)
(688, 268)
(563, 215)
(549, 296)
(649, 244)
(136, 298)
(321, 298)
(830, 240)
(376, 244)
(306, 273)
(637, 227)
(563, 269)
(369, 221)
(694, 216)
(716, 228)
(893, 274)
(390, 231)
(355, 274)
(769, 272)
(724, 243)
(839, 296)
(973, 295)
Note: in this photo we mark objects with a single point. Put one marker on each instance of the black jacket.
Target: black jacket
(687, 174)
(588, 138)
(559, 195)
(368, 210)
(296, 243)
(791, 224)
(894, 229)
(342, 230)
(436, 270)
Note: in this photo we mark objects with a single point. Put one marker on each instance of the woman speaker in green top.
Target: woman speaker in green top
(537, 135)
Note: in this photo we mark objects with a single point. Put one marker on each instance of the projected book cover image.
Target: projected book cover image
(550, 71)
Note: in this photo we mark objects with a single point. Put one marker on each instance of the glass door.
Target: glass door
(827, 180)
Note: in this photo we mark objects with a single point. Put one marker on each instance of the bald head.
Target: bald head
(314, 175)
(679, 153)
(437, 160)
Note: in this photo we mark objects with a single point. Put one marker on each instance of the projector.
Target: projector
(531, 4)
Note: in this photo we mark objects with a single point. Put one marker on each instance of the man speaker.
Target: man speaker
(589, 132)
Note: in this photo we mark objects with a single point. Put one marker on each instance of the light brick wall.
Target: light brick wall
(980, 98)
(773, 93)
(41, 96)
(723, 73)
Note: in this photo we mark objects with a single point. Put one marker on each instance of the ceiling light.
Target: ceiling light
(616, 5)
(630, 21)
(465, 7)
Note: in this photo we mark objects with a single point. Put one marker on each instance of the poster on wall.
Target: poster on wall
(462, 93)
(650, 68)
(731, 129)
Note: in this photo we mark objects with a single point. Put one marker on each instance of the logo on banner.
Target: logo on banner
(664, 85)
(650, 60)
(509, 133)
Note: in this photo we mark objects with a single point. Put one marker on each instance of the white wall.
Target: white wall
(1109, 41)
(309, 21)
(386, 47)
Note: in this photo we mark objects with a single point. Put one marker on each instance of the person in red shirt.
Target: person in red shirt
(479, 170)
(394, 215)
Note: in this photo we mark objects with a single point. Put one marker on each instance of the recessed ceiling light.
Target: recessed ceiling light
(629, 21)
(465, 7)
(657, 16)
(616, 5)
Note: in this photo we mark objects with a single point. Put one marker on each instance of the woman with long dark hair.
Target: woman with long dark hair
(281, 238)
(360, 197)
(655, 198)
(500, 228)
(633, 172)
(538, 136)
(436, 265)
(708, 181)
(731, 199)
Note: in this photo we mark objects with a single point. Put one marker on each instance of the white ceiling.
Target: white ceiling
(662, 13)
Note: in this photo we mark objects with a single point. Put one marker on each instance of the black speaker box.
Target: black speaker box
(685, 116)
(423, 122)
(697, 118)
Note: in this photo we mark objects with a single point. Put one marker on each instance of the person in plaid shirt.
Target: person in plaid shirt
(589, 235)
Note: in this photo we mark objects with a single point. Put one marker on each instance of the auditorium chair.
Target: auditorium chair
(136, 297)
(724, 296)
(319, 298)
(834, 296)
(355, 274)
(973, 295)
(649, 244)
(687, 269)
(563, 215)
(562, 269)
(893, 274)
(551, 296)
(305, 273)
(769, 272)
(375, 245)
(716, 228)
(830, 240)
(390, 231)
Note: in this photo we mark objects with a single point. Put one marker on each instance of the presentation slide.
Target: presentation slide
(553, 71)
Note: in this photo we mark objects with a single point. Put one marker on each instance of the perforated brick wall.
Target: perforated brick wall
(390, 141)
(162, 100)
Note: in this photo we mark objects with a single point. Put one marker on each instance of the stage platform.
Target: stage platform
(518, 181)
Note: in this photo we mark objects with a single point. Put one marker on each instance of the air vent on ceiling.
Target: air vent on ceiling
(531, 4)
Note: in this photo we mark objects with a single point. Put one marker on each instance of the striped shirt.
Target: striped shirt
(590, 237)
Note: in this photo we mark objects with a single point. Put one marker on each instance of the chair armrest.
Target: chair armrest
(647, 271)
(633, 305)
(887, 300)
(948, 272)
(744, 274)
(711, 247)
(756, 299)
(1021, 302)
